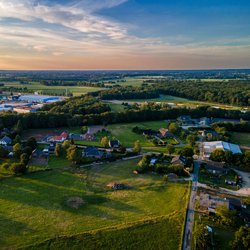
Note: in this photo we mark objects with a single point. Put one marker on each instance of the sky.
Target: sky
(124, 34)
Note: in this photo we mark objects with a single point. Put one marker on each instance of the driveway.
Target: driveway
(187, 239)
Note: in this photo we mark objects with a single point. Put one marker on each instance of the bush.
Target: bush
(18, 168)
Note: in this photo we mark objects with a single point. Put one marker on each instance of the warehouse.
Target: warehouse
(209, 147)
(39, 98)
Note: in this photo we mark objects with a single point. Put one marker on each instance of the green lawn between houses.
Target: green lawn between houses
(243, 139)
(123, 132)
(34, 212)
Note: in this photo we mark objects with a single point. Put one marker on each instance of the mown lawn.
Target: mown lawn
(242, 139)
(34, 209)
(124, 133)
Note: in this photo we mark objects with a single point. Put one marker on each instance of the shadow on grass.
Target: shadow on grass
(51, 190)
(8, 225)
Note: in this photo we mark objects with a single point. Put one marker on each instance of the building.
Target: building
(165, 133)
(76, 137)
(180, 160)
(216, 168)
(205, 122)
(59, 138)
(114, 144)
(209, 147)
(39, 98)
(185, 119)
(5, 141)
(150, 132)
(93, 152)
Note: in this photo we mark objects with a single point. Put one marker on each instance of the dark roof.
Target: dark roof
(185, 117)
(6, 139)
(179, 159)
(93, 151)
(150, 132)
(114, 143)
(216, 166)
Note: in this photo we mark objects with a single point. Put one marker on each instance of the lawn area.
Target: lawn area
(242, 139)
(34, 209)
(124, 133)
(221, 235)
(215, 181)
(76, 90)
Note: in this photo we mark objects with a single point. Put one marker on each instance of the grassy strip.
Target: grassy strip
(158, 233)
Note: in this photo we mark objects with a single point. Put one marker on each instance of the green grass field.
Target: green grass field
(76, 90)
(242, 139)
(124, 133)
(34, 211)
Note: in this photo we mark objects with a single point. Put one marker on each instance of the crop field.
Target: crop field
(37, 211)
(53, 90)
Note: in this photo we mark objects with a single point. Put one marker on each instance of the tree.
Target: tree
(173, 128)
(66, 144)
(18, 168)
(228, 156)
(187, 152)
(201, 237)
(105, 141)
(19, 127)
(73, 154)
(84, 129)
(3, 152)
(17, 149)
(227, 216)
(218, 155)
(32, 143)
(191, 140)
(24, 159)
(242, 239)
(17, 139)
(137, 147)
(58, 150)
(170, 149)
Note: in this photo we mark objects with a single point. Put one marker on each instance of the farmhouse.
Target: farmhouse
(59, 138)
(209, 147)
(216, 168)
(150, 132)
(185, 119)
(180, 160)
(5, 141)
(93, 152)
(76, 137)
(165, 133)
(205, 122)
(114, 143)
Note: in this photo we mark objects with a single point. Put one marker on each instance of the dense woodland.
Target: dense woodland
(228, 92)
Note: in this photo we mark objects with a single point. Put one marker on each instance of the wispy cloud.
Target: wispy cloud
(36, 29)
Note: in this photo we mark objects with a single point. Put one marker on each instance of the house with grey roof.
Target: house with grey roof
(5, 141)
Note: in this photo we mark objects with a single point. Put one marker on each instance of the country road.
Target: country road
(187, 239)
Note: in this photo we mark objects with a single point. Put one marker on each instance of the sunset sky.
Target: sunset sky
(124, 34)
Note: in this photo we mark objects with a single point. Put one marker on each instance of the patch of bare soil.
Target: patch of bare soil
(75, 202)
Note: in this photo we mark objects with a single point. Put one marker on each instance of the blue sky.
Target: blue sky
(124, 34)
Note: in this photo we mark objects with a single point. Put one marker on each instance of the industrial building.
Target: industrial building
(209, 147)
(39, 98)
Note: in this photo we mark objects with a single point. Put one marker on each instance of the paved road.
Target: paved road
(191, 208)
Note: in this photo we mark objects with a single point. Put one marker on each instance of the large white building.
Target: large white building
(209, 147)
(39, 98)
